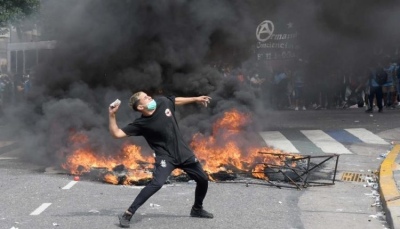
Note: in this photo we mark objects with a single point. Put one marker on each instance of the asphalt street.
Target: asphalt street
(32, 198)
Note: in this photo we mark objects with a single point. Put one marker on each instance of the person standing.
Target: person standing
(392, 75)
(298, 85)
(255, 84)
(280, 88)
(159, 127)
(375, 89)
(388, 89)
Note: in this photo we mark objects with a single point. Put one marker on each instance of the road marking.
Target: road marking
(8, 158)
(325, 142)
(367, 136)
(319, 141)
(40, 209)
(70, 184)
(343, 136)
(279, 141)
(5, 143)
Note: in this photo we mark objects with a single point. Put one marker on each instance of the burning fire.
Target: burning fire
(227, 147)
(84, 160)
(225, 150)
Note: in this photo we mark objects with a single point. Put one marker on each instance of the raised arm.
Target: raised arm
(115, 131)
(204, 100)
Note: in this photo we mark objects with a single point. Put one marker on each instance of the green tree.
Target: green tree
(15, 11)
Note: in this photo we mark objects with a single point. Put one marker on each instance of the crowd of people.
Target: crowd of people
(13, 89)
(302, 85)
(298, 86)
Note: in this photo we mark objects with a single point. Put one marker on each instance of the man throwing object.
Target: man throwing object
(159, 127)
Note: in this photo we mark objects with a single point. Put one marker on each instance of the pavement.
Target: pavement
(389, 186)
(284, 208)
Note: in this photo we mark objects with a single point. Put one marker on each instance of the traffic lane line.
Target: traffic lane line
(9, 158)
(44, 206)
(70, 184)
(40, 209)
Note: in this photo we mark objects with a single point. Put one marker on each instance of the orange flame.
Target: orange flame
(223, 147)
(258, 171)
(110, 178)
(83, 160)
(225, 150)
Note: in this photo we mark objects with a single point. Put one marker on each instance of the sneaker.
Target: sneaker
(380, 110)
(124, 220)
(200, 213)
(296, 109)
(304, 108)
(369, 110)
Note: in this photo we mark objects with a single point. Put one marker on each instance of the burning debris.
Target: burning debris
(89, 67)
(224, 154)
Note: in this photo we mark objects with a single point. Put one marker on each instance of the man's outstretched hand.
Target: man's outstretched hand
(204, 100)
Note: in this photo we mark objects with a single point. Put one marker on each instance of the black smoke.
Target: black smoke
(110, 49)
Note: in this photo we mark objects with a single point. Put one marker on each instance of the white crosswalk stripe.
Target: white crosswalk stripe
(325, 142)
(367, 136)
(279, 141)
(319, 139)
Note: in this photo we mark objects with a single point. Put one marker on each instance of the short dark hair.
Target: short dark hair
(134, 100)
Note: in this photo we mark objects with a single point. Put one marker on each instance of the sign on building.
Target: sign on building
(276, 41)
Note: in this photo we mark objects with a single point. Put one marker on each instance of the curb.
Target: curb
(390, 195)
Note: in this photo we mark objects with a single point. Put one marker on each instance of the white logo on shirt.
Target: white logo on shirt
(168, 112)
(163, 163)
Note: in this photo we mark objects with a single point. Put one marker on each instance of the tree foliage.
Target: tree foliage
(14, 11)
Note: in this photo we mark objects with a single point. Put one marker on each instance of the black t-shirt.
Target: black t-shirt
(161, 132)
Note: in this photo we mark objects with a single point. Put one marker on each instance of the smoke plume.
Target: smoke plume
(109, 49)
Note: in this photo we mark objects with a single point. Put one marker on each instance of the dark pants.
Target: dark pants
(375, 91)
(160, 175)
